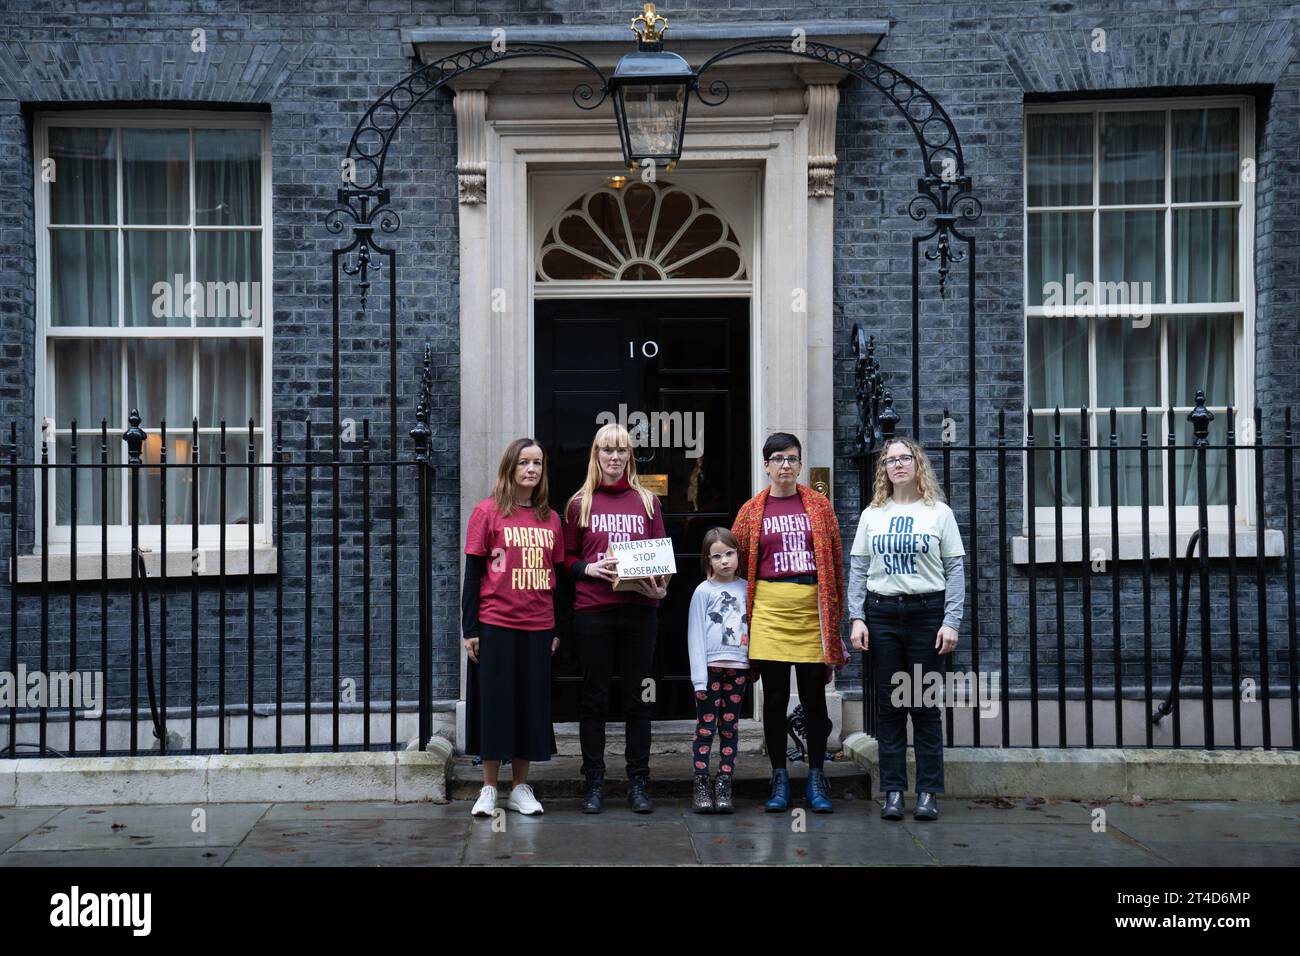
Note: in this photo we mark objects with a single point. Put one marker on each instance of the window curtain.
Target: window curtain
(1205, 169)
(1200, 356)
(1059, 162)
(83, 292)
(1058, 377)
(87, 381)
(159, 382)
(230, 386)
(227, 192)
(83, 262)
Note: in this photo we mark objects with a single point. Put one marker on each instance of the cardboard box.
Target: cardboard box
(640, 560)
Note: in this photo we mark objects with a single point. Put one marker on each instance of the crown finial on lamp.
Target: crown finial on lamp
(649, 26)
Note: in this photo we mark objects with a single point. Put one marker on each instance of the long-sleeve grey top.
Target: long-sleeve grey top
(954, 593)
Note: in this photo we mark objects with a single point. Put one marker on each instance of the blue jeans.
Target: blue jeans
(902, 636)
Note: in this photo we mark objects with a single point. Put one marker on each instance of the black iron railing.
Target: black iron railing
(277, 636)
(1100, 603)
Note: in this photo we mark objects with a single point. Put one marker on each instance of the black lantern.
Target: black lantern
(649, 89)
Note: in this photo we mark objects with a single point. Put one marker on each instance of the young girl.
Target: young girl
(718, 639)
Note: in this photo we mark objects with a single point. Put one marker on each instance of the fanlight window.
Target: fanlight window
(640, 232)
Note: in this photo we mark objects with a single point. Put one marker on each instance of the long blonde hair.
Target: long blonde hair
(926, 484)
(618, 434)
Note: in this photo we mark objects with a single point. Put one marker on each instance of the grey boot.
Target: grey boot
(701, 799)
(722, 794)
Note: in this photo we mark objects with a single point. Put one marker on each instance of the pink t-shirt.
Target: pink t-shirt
(617, 514)
(521, 553)
(785, 543)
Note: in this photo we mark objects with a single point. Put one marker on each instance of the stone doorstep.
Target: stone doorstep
(227, 778)
(670, 776)
(667, 737)
(1076, 773)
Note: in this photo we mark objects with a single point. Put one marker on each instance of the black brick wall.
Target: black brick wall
(316, 65)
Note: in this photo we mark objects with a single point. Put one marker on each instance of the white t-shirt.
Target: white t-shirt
(906, 545)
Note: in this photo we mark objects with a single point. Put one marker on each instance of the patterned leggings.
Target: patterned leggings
(717, 708)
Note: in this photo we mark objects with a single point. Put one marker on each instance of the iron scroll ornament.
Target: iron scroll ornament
(931, 125)
(374, 133)
(944, 191)
(945, 186)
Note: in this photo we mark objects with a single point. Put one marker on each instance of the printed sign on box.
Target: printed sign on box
(639, 560)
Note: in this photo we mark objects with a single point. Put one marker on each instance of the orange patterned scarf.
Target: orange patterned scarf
(827, 552)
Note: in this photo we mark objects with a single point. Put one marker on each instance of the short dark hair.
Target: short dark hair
(779, 441)
(712, 537)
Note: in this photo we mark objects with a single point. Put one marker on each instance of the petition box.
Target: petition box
(640, 560)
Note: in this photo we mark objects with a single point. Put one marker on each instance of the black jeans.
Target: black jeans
(902, 637)
(811, 681)
(626, 634)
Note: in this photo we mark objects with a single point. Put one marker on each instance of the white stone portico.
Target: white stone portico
(765, 157)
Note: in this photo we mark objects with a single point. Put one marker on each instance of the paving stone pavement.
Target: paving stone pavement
(969, 832)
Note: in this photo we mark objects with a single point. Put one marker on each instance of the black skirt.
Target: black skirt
(508, 696)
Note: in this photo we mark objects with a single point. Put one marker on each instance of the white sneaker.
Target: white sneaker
(523, 801)
(486, 803)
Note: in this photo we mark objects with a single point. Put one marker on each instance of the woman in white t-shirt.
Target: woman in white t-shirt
(906, 589)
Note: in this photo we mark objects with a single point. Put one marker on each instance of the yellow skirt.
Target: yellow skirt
(786, 625)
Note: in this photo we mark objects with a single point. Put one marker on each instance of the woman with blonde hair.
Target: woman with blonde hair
(906, 589)
(608, 625)
(513, 545)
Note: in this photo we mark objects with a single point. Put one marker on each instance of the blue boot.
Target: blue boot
(819, 800)
(780, 799)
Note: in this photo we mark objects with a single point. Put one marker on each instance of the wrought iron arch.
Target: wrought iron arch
(374, 133)
(944, 192)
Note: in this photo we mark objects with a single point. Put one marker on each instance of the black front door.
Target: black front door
(682, 364)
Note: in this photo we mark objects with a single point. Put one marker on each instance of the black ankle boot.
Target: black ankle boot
(637, 798)
(593, 801)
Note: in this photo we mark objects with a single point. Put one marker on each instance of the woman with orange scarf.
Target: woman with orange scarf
(790, 553)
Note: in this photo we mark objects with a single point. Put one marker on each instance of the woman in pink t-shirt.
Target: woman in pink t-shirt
(610, 625)
(790, 553)
(513, 545)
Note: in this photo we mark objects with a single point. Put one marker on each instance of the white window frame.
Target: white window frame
(1130, 516)
(179, 536)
